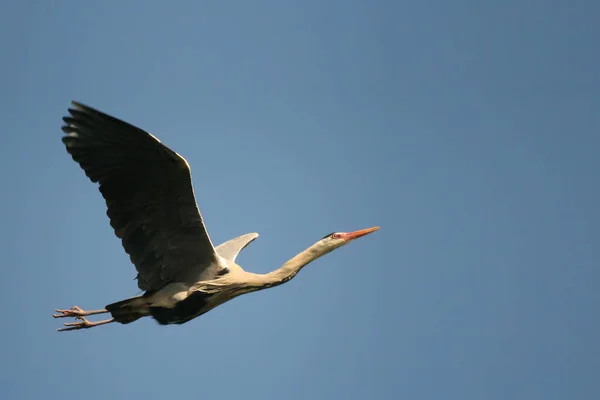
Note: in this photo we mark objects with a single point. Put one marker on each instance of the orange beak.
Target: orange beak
(357, 234)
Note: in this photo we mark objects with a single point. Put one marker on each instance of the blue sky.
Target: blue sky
(468, 130)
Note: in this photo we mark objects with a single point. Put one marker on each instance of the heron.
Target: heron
(150, 202)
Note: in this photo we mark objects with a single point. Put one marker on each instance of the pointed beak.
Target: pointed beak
(356, 234)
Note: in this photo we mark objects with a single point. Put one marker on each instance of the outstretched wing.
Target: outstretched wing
(148, 192)
(230, 249)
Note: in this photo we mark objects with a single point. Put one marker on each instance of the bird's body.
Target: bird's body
(152, 209)
(180, 302)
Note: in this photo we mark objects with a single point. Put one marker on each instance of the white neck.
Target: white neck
(295, 264)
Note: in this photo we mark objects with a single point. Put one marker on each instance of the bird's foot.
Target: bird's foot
(83, 323)
(73, 312)
(76, 312)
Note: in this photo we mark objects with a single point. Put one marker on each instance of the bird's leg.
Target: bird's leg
(76, 312)
(83, 323)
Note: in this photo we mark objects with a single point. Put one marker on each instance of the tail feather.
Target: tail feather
(128, 310)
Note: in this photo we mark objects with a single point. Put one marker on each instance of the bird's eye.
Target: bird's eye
(334, 235)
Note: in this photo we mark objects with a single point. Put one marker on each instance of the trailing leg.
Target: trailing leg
(83, 323)
(76, 312)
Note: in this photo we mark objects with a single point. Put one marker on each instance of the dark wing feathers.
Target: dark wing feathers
(148, 193)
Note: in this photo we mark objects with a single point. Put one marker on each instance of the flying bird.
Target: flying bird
(151, 206)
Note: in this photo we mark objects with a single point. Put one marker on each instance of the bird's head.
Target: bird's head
(338, 239)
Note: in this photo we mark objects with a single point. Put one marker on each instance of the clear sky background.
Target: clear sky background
(468, 130)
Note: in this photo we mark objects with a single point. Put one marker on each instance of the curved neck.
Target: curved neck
(295, 264)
